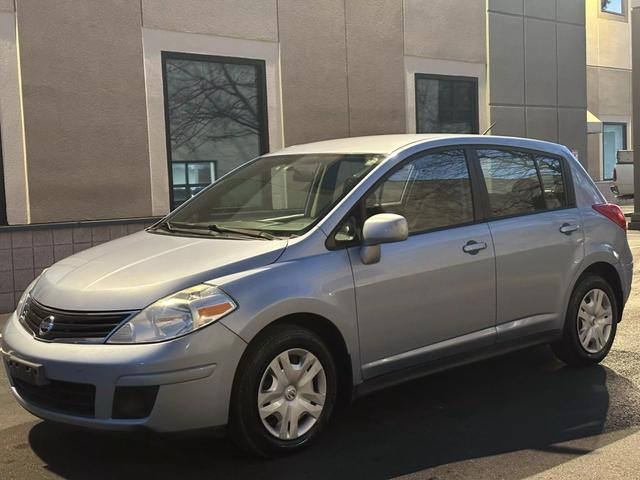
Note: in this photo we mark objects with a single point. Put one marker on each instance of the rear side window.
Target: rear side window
(519, 183)
(555, 193)
(431, 191)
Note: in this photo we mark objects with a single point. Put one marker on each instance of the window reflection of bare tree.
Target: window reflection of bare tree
(209, 102)
(434, 191)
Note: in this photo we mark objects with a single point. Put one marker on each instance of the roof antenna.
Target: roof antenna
(489, 129)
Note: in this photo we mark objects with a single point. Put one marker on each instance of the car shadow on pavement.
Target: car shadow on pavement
(521, 401)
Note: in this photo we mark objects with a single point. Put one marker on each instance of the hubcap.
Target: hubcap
(292, 393)
(595, 317)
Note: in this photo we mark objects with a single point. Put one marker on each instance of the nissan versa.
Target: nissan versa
(320, 273)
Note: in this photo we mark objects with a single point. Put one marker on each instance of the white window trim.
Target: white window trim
(16, 186)
(157, 41)
(431, 66)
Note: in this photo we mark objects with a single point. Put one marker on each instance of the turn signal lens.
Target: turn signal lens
(613, 212)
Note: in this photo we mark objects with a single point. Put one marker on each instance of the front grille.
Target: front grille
(63, 397)
(60, 325)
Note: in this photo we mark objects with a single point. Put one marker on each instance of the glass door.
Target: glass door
(614, 138)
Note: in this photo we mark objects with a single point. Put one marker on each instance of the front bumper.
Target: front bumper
(194, 375)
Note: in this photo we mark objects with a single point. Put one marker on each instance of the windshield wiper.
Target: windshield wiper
(241, 231)
(189, 228)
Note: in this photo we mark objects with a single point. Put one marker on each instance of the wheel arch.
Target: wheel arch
(610, 274)
(331, 336)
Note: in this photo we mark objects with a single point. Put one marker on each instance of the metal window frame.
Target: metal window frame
(625, 144)
(450, 78)
(3, 195)
(261, 84)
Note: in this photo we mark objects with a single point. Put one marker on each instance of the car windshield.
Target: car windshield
(273, 196)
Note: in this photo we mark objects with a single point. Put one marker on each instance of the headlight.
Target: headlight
(24, 299)
(176, 315)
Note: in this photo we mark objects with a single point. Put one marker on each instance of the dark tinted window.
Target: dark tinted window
(216, 110)
(446, 104)
(432, 191)
(555, 193)
(512, 182)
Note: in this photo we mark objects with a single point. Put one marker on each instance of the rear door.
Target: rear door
(537, 236)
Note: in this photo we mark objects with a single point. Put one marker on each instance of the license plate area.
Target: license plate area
(29, 372)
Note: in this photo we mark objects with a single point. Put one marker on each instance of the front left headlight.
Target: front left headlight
(176, 315)
(24, 299)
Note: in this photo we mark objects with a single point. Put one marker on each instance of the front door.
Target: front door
(433, 294)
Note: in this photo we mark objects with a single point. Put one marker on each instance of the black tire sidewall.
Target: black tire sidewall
(246, 425)
(571, 325)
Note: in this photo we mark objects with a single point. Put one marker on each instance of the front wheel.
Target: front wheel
(284, 391)
(590, 326)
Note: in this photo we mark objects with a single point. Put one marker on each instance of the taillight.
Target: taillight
(613, 212)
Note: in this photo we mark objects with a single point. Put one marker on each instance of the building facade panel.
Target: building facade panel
(571, 11)
(538, 66)
(315, 100)
(244, 19)
(614, 92)
(541, 70)
(508, 120)
(540, 9)
(514, 7)
(84, 111)
(456, 29)
(542, 123)
(506, 59)
(375, 64)
(572, 75)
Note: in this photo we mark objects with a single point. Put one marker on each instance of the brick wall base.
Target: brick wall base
(26, 250)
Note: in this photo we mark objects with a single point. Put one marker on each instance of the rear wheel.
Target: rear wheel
(284, 391)
(590, 326)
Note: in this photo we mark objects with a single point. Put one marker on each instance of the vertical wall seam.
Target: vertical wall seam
(346, 65)
(279, 86)
(557, 79)
(524, 71)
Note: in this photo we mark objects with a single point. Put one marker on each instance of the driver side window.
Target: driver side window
(432, 191)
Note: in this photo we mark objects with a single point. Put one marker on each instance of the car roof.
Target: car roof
(386, 144)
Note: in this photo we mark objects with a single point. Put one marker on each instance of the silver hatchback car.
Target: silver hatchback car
(321, 273)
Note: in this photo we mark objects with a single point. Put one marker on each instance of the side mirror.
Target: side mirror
(379, 229)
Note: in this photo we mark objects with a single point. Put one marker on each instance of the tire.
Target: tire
(308, 397)
(582, 345)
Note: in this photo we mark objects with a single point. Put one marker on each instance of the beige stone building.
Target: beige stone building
(114, 111)
(608, 83)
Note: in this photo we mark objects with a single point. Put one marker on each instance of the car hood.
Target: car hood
(134, 271)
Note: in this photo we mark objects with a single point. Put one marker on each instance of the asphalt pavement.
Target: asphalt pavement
(513, 417)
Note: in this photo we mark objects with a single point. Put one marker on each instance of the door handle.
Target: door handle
(568, 229)
(472, 247)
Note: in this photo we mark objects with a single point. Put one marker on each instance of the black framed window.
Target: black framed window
(612, 6)
(446, 104)
(614, 138)
(215, 116)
